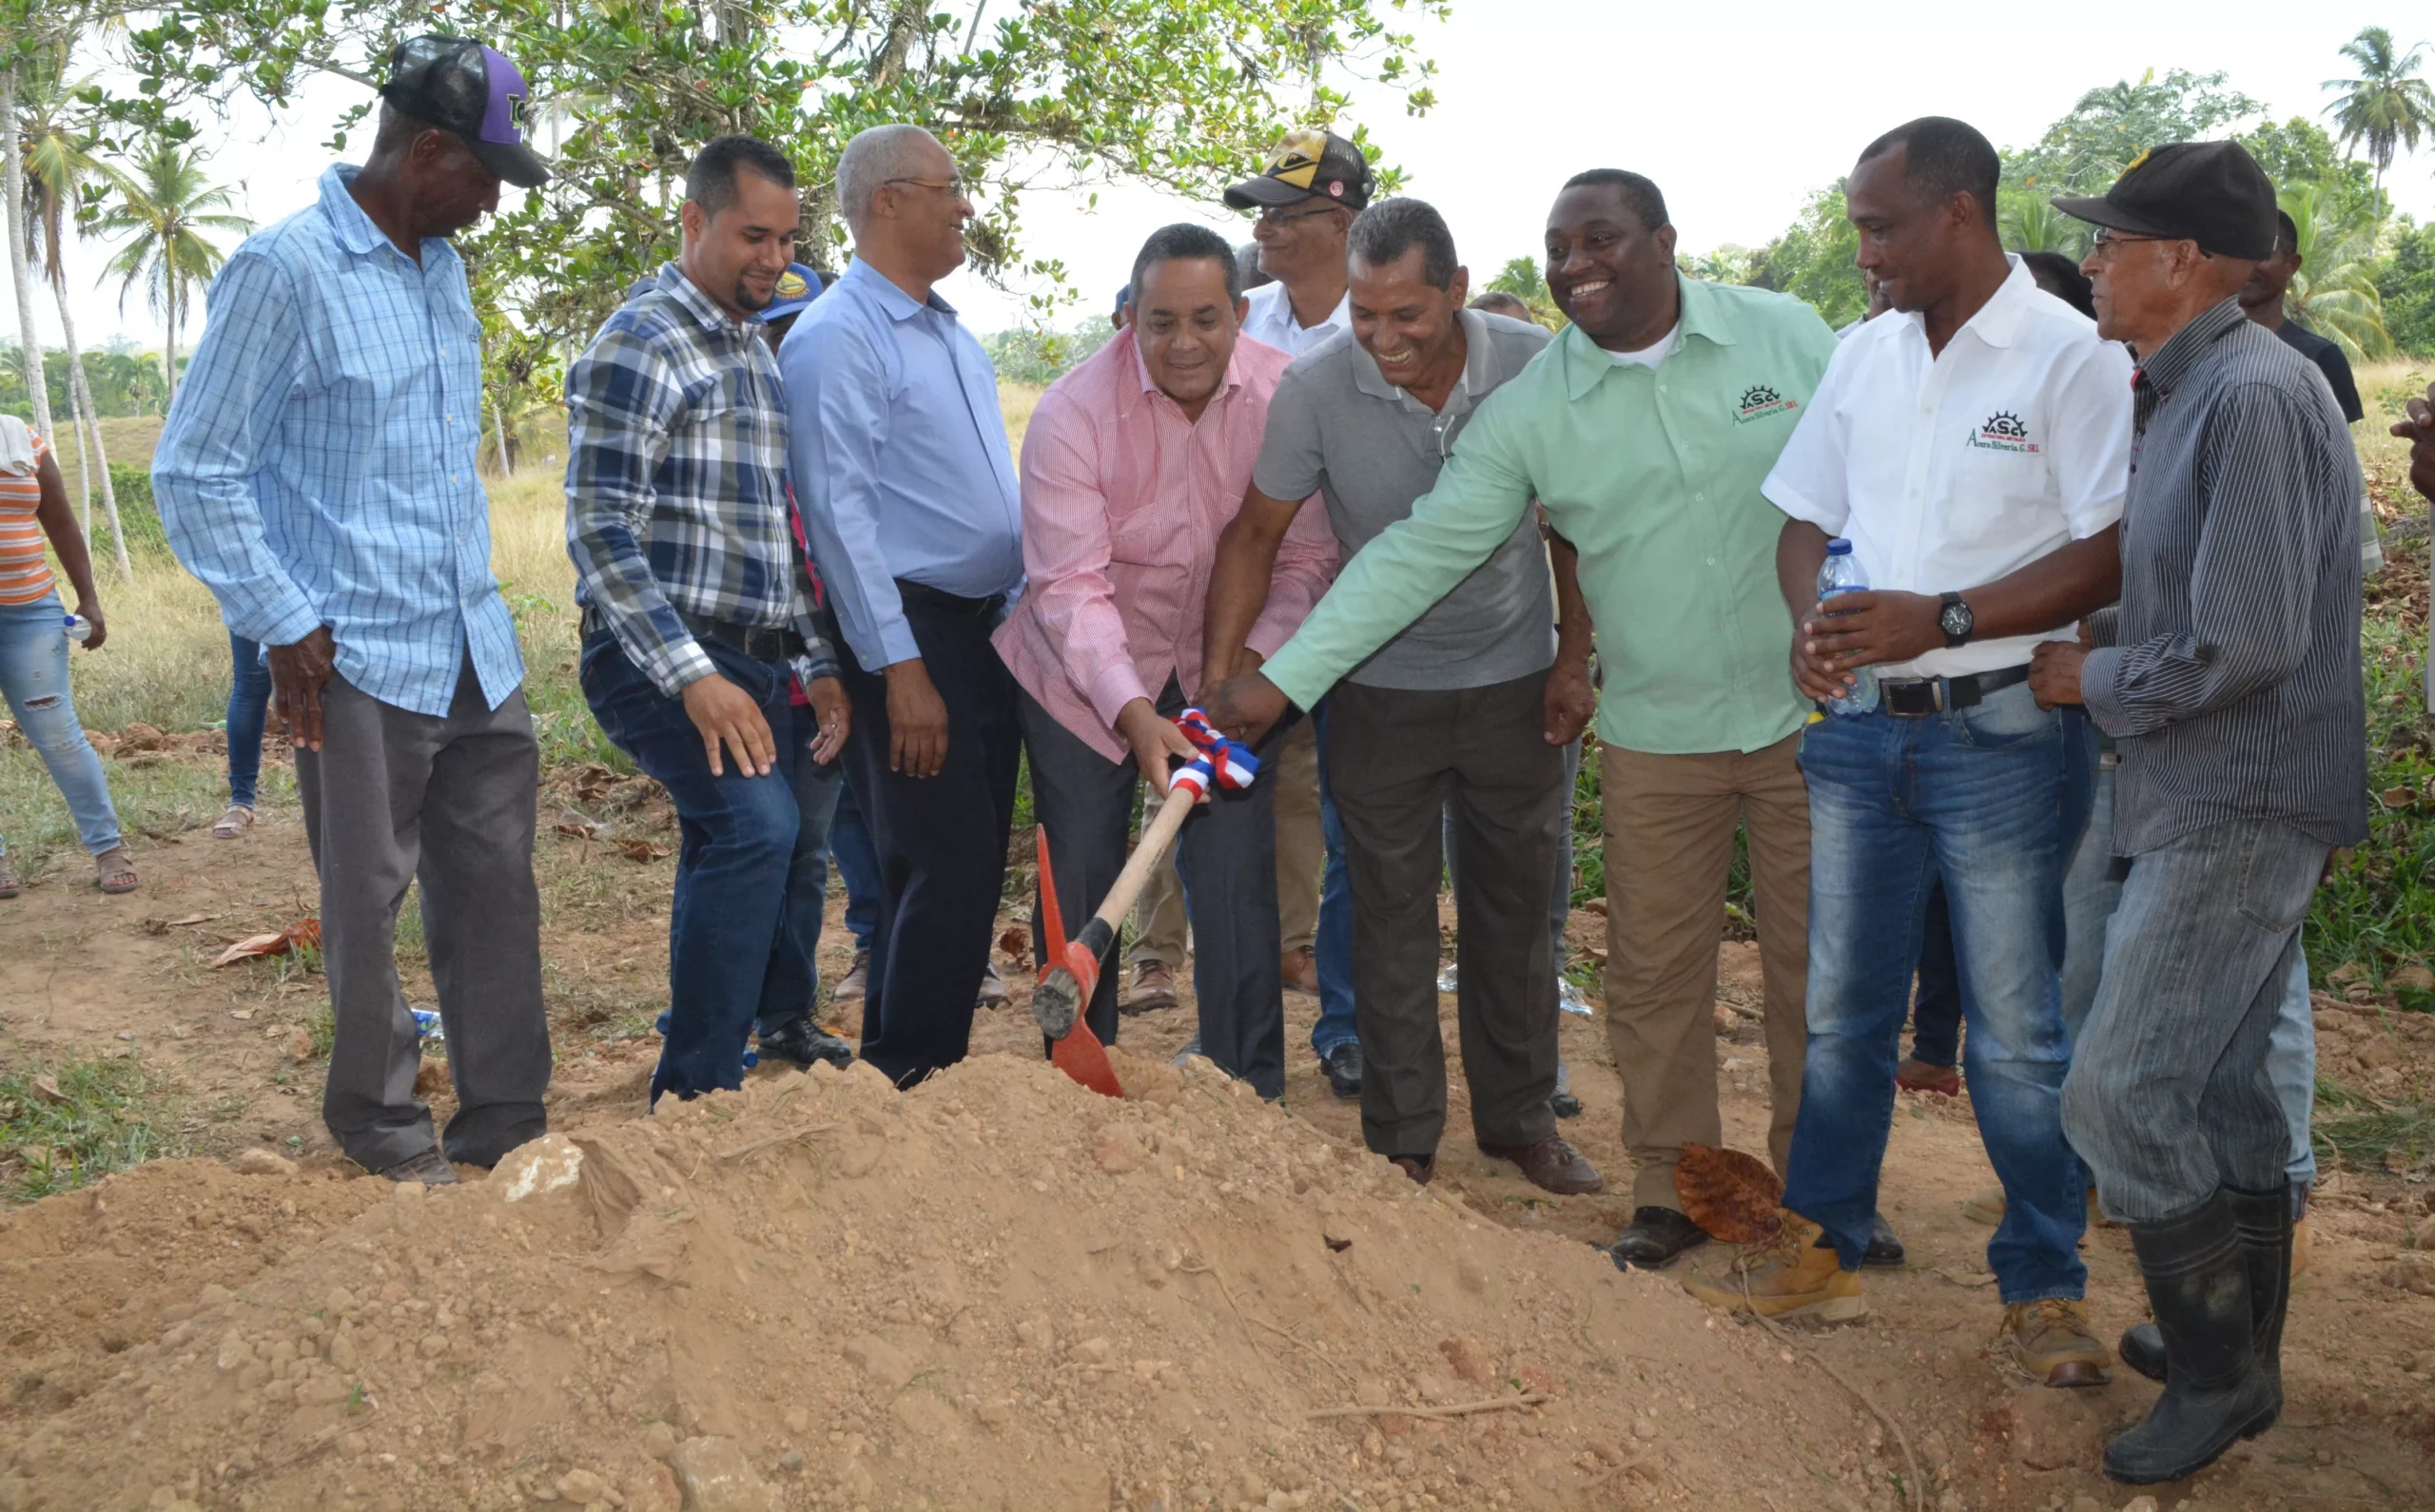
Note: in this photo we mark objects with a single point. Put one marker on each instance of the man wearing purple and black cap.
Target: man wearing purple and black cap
(317, 473)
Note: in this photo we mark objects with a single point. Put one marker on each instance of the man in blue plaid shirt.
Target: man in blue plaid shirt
(696, 610)
(317, 473)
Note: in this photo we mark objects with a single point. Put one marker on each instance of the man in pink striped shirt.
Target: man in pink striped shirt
(1133, 464)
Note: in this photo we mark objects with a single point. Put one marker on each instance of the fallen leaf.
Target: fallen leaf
(46, 1089)
(1335, 1246)
(577, 831)
(2398, 797)
(1015, 944)
(640, 850)
(156, 926)
(192, 919)
(302, 932)
(242, 1014)
(1734, 1196)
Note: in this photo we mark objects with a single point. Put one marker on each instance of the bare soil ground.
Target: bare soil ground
(1000, 1292)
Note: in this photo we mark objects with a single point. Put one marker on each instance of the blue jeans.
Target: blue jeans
(849, 846)
(1982, 797)
(2169, 1099)
(1334, 946)
(34, 676)
(248, 712)
(732, 959)
(816, 788)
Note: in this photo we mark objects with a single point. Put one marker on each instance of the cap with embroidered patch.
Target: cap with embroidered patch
(1307, 164)
(2212, 193)
(460, 86)
(797, 287)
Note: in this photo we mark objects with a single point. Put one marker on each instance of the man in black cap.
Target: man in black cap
(1317, 182)
(2232, 686)
(2262, 297)
(317, 473)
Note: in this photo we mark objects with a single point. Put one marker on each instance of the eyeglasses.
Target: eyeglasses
(2107, 239)
(959, 186)
(1272, 220)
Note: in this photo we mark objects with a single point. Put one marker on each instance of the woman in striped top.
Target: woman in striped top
(34, 645)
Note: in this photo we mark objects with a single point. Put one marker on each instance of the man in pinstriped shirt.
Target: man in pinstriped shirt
(317, 473)
(2233, 687)
(698, 611)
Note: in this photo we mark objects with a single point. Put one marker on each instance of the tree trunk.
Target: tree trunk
(84, 464)
(80, 389)
(169, 347)
(498, 418)
(12, 184)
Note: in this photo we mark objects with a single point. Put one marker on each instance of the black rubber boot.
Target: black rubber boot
(2214, 1393)
(2264, 1219)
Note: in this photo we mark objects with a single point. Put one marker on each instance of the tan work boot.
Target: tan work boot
(1987, 1206)
(1797, 1275)
(2051, 1342)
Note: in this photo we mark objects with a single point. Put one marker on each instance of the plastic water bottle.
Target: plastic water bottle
(1841, 574)
(80, 630)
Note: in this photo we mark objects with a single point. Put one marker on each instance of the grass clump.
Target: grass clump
(73, 1124)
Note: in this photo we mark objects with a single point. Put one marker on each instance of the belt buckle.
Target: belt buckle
(764, 645)
(1890, 696)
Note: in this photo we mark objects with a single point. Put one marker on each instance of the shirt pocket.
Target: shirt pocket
(2001, 478)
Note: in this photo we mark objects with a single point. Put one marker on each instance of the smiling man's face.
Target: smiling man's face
(1607, 272)
(1406, 324)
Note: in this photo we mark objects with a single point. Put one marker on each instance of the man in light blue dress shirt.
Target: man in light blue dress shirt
(908, 489)
(317, 473)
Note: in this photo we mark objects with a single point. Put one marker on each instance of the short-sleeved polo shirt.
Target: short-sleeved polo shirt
(1947, 471)
(1339, 428)
(1653, 472)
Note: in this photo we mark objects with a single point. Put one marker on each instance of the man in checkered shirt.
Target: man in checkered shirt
(696, 610)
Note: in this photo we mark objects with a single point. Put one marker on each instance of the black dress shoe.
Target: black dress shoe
(1565, 1105)
(1885, 1251)
(1343, 1065)
(1656, 1236)
(802, 1042)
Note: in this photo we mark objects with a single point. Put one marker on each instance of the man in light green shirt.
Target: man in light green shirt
(1644, 430)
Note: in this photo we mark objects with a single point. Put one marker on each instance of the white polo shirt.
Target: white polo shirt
(1950, 471)
(1272, 321)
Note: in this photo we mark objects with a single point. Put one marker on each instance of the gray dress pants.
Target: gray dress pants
(1227, 860)
(395, 797)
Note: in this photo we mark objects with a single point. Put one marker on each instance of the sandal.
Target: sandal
(238, 819)
(114, 876)
(8, 884)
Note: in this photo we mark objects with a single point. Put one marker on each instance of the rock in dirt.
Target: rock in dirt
(551, 1163)
(2423, 1237)
(2414, 1272)
(715, 1477)
(1470, 1359)
(654, 1490)
(260, 1162)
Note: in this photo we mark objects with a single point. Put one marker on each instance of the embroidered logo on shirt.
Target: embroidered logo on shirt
(1759, 399)
(2004, 432)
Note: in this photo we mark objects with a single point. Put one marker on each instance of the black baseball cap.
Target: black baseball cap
(1307, 164)
(2212, 193)
(459, 85)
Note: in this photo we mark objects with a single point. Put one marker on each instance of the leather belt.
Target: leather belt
(1917, 697)
(762, 643)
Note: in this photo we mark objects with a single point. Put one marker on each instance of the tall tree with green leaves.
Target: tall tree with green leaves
(1522, 277)
(165, 208)
(2089, 147)
(2388, 107)
(2029, 222)
(57, 140)
(2334, 294)
(1075, 93)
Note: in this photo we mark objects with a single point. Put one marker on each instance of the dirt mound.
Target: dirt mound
(997, 1290)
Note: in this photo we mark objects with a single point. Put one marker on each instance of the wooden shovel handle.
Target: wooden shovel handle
(1154, 840)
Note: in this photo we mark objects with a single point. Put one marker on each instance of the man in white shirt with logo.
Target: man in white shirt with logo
(1974, 445)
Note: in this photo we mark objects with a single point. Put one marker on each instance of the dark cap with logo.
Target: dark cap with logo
(459, 85)
(2212, 193)
(1307, 164)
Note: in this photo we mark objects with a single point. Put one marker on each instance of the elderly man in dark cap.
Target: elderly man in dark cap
(2233, 689)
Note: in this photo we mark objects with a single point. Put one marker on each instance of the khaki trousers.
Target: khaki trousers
(1301, 858)
(1669, 844)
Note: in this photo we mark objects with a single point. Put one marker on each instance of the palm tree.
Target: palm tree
(2334, 293)
(163, 207)
(2389, 107)
(58, 161)
(2029, 222)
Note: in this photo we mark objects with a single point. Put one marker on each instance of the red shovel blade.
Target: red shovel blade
(1077, 1052)
(1082, 1056)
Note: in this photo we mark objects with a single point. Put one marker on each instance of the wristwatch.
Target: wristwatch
(1955, 619)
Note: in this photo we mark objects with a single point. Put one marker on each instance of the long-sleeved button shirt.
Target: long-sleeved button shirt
(1124, 500)
(901, 461)
(677, 483)
(1653, 472)
(317, 466)
(2234, 681)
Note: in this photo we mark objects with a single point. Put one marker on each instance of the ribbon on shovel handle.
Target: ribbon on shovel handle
(1223, 763)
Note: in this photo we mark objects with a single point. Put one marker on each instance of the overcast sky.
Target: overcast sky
(1738, 112)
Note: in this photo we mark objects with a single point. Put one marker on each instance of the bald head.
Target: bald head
(882, 153)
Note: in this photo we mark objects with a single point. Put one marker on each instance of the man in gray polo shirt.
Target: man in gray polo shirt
(1472, 703)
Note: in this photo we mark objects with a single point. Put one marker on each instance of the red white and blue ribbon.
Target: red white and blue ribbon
(1223, 763)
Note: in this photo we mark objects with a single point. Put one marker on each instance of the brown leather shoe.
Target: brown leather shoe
(1914, 1075)
(1300, 969)
(1153, 987)
(1420, 1168)
(1553, 1164)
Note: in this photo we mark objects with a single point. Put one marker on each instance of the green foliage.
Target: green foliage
(2027, 222)
(165, 210)
(136, 513)
(2387, 108)
(2405, 286)
(73, 1124)
(2334, 293)
(1038, 355)
(1522, 279)
(2299, 152)
(2090, 147)
(1090, 91)
(1814, 259)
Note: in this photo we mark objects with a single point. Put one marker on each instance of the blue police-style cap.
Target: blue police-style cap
(797, 286)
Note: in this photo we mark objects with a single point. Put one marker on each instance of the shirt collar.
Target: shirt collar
(1130, 395)
(355, 230)
(1998, 322)
(899, 304)
(1587, 364)
(704, 312)
(2187, 346)
(1480, 371)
